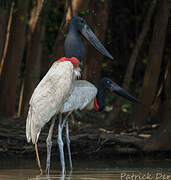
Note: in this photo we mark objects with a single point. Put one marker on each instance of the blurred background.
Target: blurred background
(137, 33)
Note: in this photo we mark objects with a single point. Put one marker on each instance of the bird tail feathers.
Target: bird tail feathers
(32, 132)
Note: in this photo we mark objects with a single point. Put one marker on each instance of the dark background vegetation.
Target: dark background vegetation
(136, 32)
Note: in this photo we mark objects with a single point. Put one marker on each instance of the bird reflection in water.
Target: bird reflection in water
(52, 177)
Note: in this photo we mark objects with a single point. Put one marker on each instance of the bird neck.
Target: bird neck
(100, 98)
(74, 46)
(72, 28)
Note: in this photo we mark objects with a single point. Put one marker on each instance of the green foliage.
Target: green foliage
(125, 107)
(15, 10)
(20, 2)
(84, 12)
(27, 18)
(5, 4)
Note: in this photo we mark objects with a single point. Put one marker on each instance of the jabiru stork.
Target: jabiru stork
(53, 90)
(84, 96)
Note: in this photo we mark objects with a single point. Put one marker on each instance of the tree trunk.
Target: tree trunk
(33, 61)
(9, 76)
(132, 61)
(6, 38)
(160, 140)
(98, 19)
(148, 90)
(3, 28)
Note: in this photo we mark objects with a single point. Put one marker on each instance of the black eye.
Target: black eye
(82, 21)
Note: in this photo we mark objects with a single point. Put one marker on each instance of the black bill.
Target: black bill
(122, 92)
(91, 37)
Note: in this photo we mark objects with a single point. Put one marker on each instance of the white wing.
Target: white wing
(48, 97)
(82, 95)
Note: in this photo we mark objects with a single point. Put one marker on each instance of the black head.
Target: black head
(107, 83)
(77, 22)
(80, 25)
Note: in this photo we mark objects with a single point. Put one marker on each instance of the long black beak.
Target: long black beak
(91, 37)
(122, 92)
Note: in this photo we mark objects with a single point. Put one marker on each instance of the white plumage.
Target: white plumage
(49, 96)
(82, 96)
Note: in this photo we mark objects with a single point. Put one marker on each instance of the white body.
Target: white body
(82, 96)
(49, 97)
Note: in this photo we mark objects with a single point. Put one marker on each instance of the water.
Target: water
(30, 174)
(111, 169)
(76, 175)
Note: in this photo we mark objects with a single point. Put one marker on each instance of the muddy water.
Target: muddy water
(33, 175)
(116, 169)
(30, 174)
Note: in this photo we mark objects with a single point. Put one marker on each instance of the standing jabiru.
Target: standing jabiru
(53, 90)
(85, 96)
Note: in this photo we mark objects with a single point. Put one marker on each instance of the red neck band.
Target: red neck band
(96, 106)
(73, 60)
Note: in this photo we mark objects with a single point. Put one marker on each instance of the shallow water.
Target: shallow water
(34, 175)
(30, 174)
(116, 169)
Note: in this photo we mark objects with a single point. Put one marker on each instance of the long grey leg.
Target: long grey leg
(61, 144)
(68, 145)
(49, 144)
(65, 121)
